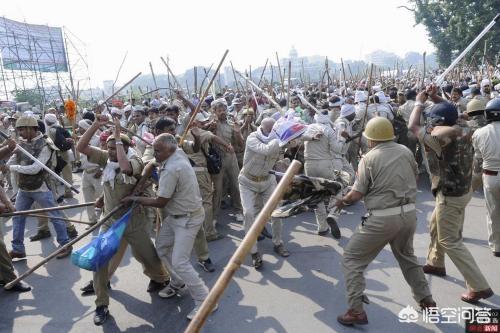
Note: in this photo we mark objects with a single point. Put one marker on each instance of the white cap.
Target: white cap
(360, 96)
(200, 117)
(347, 110)
(116, 111)
(381, 97)
(485, 82)
(85, 124)
(50, 118)
(322, 118)
(128, 108)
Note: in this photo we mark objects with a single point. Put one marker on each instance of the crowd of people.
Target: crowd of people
(179, 168)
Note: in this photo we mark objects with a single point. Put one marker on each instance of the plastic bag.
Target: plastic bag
(102, 248)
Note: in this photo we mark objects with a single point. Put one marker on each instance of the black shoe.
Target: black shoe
(257, 261)
(266, 233)
(66, 252)
(88, 289)
(72, 233)
(334, 228)
(496, 254)
(207, 265)
(20, 287)
(323, 233)
(154, 286)
(2, 283)
(281, 251)
(41, 234)
(60, 199)
(101, 314)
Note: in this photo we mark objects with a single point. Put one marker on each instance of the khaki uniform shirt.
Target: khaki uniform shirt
(486, 141)
(178, 184)
(406, 109)
(387, 176)
(198, 158)
(112, 196)
(226, 132)
(260, 157)
(323, 149)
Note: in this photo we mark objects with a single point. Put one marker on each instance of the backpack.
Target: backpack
(60, 139)
(399, 123)
(214, 160)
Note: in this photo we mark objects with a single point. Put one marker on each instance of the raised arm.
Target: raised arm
(121, 155)
(83, 145)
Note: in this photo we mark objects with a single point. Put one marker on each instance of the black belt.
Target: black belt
(490, 173)
(181, 216)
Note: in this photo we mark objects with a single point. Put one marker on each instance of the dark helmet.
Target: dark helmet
(410, 94)
(443, 113)
(492, 110)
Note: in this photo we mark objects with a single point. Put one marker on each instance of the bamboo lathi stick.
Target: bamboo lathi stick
(202, 99)
(51, 209)
(63, 248)
(61, 218)
(243, 249)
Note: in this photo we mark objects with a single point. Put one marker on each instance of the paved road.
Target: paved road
(303, 293)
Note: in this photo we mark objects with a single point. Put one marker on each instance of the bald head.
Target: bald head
(164, 146)
(267, 125)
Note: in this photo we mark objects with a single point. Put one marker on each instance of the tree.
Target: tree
(453, 24)
(31, 96)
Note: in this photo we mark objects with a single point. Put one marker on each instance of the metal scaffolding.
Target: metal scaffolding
(35, 60)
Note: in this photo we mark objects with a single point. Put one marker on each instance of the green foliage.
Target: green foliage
(31, 96)
(453, 24)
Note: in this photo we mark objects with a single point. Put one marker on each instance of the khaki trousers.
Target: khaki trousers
(6, 269)
(229, 172)
(67, 175)
(207, 191)
(200, 246)
(491, 187)
(253, 194)
(137, 235)
(366, 243)
(323, 169)
(446, 226)
(174, 245)
(92, 189)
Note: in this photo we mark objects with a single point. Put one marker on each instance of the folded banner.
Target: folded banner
(288, 130)
(102, 248)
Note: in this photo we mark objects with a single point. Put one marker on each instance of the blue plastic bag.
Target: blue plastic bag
(102, 248)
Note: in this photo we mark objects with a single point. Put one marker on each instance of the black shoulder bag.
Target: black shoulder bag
(214, 160)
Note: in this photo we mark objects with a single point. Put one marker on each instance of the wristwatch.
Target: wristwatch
(419, 104)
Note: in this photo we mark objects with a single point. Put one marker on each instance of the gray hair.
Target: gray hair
(167, 139)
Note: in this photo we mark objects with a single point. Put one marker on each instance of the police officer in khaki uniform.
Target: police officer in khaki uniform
(196, 146)
(319, 154)
(6, 269)
(168, 125)
(256, 184)
(475, 109)
(450, 155)
(179, 197)
(387, 182)
(122, 166)
(487, 150)
(229, 172)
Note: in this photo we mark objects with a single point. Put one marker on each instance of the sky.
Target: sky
(198, 32)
